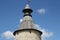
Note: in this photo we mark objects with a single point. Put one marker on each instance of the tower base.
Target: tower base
(27, 34)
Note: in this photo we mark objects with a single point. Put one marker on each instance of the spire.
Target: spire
(27, 10)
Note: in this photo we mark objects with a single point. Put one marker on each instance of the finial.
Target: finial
(27, 5)
(27, 10)
(28, 1)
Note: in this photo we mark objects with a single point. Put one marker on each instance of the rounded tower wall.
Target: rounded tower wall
(28, 35)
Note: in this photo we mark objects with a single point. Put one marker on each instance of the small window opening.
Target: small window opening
(30, 31)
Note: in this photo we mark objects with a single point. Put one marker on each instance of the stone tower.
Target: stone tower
(27, 30)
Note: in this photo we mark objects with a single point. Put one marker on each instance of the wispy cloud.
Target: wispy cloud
(46, 33)
(42, 11)
(21, 20)
(8, 35)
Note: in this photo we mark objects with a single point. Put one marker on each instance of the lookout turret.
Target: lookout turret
(27, 31)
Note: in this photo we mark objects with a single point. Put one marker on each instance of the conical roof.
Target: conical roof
(27, 23)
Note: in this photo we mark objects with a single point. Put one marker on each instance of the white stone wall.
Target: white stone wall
(27, 35)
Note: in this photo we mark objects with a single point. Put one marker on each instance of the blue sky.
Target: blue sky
(46, 13)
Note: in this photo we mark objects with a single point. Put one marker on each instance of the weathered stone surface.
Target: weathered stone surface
(28, 35)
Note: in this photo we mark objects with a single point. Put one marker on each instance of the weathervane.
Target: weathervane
(28, 1)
